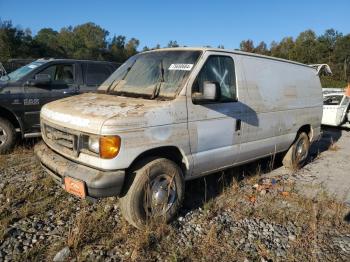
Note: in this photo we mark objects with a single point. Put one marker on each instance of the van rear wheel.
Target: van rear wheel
(297, 154)
(7, 136)
(155, 191)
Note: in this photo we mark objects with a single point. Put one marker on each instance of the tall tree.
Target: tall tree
(5, 50)
(261, 48)
(305, 47)
(342, 55)
(47, 39)
(326, 45)
(89, 40)
(285, 49)
(131, 47)
(173, 44)
(247, 46)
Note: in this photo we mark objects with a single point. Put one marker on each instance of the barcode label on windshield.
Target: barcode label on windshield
(182, 67)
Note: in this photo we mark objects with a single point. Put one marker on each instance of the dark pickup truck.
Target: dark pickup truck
(24, 91)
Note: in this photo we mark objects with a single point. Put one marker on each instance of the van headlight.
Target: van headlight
(106, 147)
(109, 146)
(94, 144)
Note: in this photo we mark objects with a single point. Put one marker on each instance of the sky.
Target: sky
(190, 23)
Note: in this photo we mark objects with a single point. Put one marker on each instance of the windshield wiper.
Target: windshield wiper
(156, 89)
(114, 84)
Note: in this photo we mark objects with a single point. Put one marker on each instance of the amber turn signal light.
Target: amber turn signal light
(109, 146)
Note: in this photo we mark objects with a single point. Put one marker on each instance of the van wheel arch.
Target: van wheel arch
(307, 129)
(172, 153)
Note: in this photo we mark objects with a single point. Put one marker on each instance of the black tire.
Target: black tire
(139, 207)
(294, 158)
(7, 136)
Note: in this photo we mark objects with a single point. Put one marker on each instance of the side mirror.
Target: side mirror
(211, 92)
(40, 79)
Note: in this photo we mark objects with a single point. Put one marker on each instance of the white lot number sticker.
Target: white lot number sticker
(32, 66)
(181, 67)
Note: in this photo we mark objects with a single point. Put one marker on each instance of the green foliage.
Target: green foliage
(85, 41)
(247, 46)
(330, 81)
(173, 44)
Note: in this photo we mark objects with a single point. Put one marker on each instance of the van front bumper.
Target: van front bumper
(97, 183)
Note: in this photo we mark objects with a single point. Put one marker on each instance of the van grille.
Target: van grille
(62, 140)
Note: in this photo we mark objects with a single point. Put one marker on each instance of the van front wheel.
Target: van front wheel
(297, 154)
(155, 191)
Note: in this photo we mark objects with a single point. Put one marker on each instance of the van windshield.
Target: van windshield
(152, 74)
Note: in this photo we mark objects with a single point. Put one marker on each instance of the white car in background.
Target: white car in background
(336, 111)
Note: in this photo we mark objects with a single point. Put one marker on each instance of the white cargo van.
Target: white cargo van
(170, 115)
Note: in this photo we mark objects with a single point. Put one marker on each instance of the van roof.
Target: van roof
(228, 51)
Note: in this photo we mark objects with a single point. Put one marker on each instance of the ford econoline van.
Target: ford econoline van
(170, 115)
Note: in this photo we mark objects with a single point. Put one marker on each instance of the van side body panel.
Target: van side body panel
(284, 97)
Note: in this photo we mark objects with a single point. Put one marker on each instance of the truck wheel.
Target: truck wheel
(7, 136)
(155, 191)
(297, 154)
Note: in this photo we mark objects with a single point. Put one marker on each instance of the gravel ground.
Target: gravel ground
(250, 214)
(329, 168)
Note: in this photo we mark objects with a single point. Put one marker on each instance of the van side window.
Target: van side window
(219, 69)
(96, 73)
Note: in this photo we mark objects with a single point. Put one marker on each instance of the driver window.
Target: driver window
(60, 73)
(221, 70)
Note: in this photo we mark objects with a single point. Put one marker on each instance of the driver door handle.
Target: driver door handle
(238, 124)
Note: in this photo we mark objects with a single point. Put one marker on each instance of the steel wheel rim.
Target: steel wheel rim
(301, 150)
(3, 136)
(160, 195)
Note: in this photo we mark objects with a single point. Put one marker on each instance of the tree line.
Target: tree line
(332, 48)
(90, 41)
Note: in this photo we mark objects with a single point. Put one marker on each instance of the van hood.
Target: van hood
(107, 114)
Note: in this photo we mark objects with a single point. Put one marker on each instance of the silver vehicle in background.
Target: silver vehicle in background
(170, 115)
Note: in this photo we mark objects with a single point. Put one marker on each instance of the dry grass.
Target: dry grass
(94, 227)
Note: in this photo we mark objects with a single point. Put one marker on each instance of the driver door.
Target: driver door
(214, 128)
(62, 84)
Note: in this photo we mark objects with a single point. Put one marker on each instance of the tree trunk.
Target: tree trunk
(345, 68)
